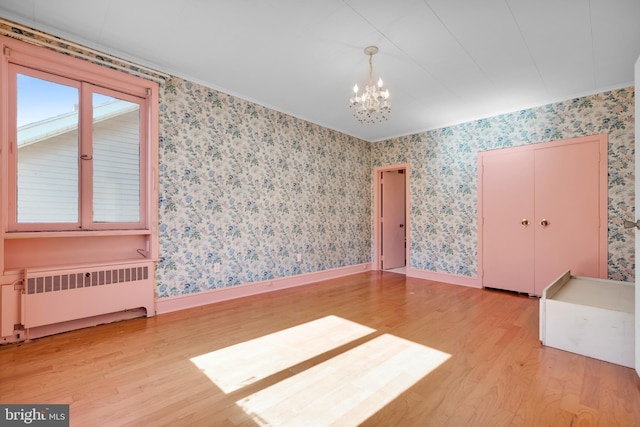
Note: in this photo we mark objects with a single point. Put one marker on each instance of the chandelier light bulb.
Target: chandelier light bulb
(371, 106)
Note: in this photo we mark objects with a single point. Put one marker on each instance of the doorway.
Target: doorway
(391, 227)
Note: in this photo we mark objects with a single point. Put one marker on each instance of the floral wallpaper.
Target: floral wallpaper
(443, 181)
(249, 188)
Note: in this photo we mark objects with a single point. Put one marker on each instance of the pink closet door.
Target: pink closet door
(558, 190)
(508, 221)
(567, 200)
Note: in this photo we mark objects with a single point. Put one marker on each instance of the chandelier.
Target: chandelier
(372, 106)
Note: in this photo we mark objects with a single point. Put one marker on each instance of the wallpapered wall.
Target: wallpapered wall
(249, 188)
(443, 180)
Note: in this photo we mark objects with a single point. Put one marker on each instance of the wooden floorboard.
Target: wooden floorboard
(373, 349)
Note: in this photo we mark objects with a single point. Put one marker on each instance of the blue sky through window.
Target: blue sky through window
(41, 99)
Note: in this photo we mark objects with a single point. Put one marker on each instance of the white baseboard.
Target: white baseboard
(181, 302)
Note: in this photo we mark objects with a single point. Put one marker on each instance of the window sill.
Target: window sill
(84, 233)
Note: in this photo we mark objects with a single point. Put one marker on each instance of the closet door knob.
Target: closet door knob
(525, 222)
(544, 223)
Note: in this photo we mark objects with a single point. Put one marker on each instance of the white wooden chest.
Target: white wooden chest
(592, 317)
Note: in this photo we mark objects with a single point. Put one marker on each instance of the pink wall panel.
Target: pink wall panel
(68, 251)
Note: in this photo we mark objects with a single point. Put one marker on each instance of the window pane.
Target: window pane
(47, 158)
(116, 160)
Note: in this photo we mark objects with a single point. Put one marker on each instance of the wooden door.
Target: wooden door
(392, 218)
(508, 215)
(567, 212)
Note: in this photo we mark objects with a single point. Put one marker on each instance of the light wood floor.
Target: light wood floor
(376, 348)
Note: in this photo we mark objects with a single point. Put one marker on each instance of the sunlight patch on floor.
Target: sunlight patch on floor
(234, 367)
(346, 389)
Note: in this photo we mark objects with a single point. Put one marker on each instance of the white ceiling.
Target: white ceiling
(444, 61)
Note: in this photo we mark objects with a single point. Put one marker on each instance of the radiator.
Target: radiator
(55, 296)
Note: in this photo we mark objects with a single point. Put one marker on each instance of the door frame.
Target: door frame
(377, 202)
(637, 215)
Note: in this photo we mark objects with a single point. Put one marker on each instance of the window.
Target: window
(79, 148)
